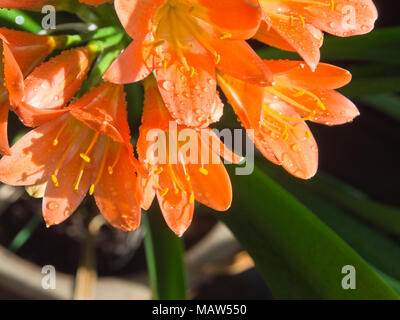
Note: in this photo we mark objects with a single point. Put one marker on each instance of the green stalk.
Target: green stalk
(165, 258)
(102, 64)
(77, 39)
(23, 236)
(12, 17)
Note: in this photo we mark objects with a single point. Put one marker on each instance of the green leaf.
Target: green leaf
(359, 87)
(344, 196)
(297, 254)
(378, 45)
(165, 262)
(386, 103)
(374, 247)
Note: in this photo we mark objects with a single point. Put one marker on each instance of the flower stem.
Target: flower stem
(77, 39)
(20, 19)
(102, 64)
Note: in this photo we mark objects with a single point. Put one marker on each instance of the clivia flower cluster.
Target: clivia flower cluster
(71, 93)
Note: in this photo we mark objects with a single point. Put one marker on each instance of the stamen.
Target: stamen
(192, 72)
(301, 92)
(80, 175)
(111, 168)
(192, 198)
(85, 156)
(203, 171)
(287, 99)
(63, 157)
(101, 168)
(55, 141)
(226, 36)
(55, 180)
(164, 193)
(303, 22)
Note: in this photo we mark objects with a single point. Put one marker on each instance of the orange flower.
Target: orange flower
(297, 25)
(20, 53)
(86, 150)
(185, 42)
(177, 181)
(44, 93)
(278, 113)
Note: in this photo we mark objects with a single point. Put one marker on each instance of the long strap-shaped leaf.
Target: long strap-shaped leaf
(165, 262)
(298, 255)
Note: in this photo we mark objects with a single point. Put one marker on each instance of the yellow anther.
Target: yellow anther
(80, 175)
(217, 59)
(321, 105)
(192, 72)
(176, 191)
(55, 141)
(303, 22)
(159, 171)
(164, 193)
(203, 171)
(187, 178)
(192, 198)
(226, 35)
(110, 170)
(308, 134)
(85, 158)
(91, 190)
(165, 64)
(332, 5)
(55, 180)
(299, 94)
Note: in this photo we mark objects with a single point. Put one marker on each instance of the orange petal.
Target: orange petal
(155, 114)
(177, 208)
(133, 65)
(238, 18)
(306, 40)
(339, 109)
(103, 109)
(60, 202)
(4, 146)
(145, 190)
(115, 195)
(190, 95)
(269, 36)
(239, 60)
(34, 158)
(340, 20)
(210, 181)
(325, 76)
(136, 16)
(219, 147)
(28, 49)
(52, 85)
(245, 98)
(298, 153)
